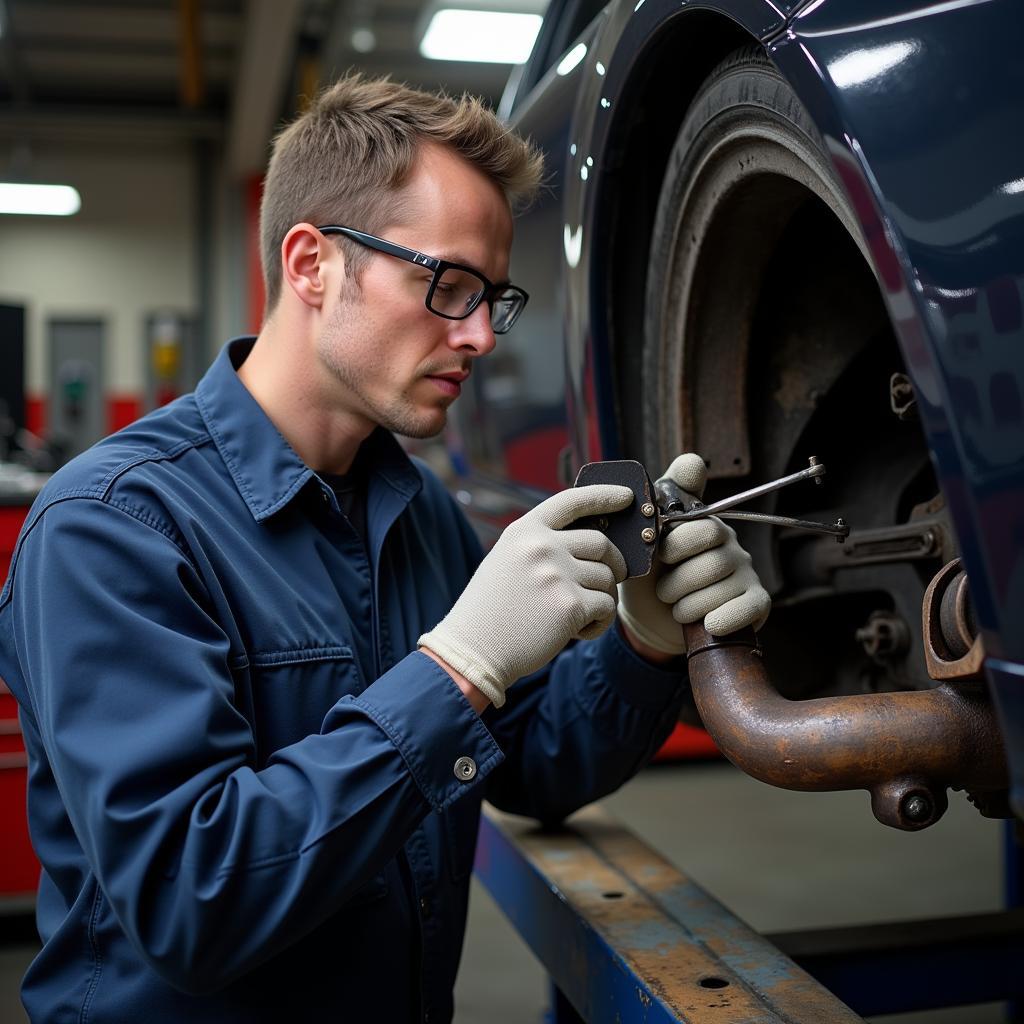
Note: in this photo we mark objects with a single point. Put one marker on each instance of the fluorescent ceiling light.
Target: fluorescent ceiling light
(363, 40)
(489, 37)
(44, 200)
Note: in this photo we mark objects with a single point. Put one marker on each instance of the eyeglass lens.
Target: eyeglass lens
(505, 310)
(457, 293)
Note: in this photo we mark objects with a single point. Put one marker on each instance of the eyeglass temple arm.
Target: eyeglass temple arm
(382, 245)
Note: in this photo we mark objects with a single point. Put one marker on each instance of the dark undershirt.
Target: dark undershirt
(350, 490)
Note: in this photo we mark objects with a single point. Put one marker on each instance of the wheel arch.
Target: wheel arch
(665, 80)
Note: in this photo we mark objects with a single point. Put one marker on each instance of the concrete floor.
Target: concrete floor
(778, 860)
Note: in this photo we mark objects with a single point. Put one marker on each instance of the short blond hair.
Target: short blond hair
(346, 157)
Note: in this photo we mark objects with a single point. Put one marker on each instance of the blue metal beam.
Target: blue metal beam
(627, 937)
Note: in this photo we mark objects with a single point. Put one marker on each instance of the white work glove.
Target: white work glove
(701, 571)
(539, 587)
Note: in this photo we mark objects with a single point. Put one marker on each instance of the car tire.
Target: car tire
(745, 123)
(750, 192)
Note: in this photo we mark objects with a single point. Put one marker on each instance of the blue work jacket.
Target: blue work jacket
(242, 783)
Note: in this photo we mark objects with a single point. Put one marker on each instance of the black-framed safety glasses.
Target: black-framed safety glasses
(455, 291)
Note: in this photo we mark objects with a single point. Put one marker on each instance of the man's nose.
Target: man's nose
(475, 332)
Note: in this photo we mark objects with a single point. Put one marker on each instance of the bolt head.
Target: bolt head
(647, 535)
(917, 807)
(647, 509)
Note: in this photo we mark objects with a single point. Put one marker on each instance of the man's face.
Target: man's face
(399, 365)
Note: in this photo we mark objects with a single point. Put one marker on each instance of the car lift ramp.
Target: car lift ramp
(627, 937)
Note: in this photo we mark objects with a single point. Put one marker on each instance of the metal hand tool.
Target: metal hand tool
(663, 506)
(678, 507)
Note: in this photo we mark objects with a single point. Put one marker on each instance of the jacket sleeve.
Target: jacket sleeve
(578, 729)
(210, 866)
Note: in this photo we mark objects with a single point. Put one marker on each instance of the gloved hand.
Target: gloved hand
(539, 587)
(701, 571)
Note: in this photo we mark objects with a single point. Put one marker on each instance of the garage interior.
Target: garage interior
(159, 112)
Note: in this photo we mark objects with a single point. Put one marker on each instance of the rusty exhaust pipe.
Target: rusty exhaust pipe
(904, 748)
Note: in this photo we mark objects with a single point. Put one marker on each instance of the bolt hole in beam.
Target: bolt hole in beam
(612, 895)
(713, 983)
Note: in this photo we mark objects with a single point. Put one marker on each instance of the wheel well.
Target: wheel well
(768, 341)
(669, 76)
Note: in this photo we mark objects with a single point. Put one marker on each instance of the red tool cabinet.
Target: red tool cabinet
(19, 869)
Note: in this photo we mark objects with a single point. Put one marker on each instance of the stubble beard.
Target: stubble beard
(400, 415)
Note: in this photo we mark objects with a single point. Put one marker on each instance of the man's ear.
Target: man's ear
(304, 252)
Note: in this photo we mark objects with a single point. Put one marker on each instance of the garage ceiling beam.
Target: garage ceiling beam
(122, 68)
(74, 25)
(190, 48)
(268, 48)
(101, 126)
(11, 61)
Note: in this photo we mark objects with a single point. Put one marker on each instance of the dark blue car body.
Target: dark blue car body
(921, 110)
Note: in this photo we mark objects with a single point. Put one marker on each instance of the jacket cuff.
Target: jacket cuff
(637, 680)
(446, 747)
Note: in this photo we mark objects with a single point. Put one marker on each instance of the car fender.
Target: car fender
(919, 106)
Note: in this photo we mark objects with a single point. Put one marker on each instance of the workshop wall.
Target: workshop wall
(129, 260)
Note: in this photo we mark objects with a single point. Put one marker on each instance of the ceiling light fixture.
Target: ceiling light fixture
(39, 200)
(363, 40)
(488, 37)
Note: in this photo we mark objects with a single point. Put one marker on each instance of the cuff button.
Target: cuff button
(465, 769)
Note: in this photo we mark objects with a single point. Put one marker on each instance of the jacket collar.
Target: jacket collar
(264, 467)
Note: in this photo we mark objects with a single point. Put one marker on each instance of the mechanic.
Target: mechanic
(261, 660)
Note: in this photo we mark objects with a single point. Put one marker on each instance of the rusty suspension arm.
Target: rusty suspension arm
(904, 748)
